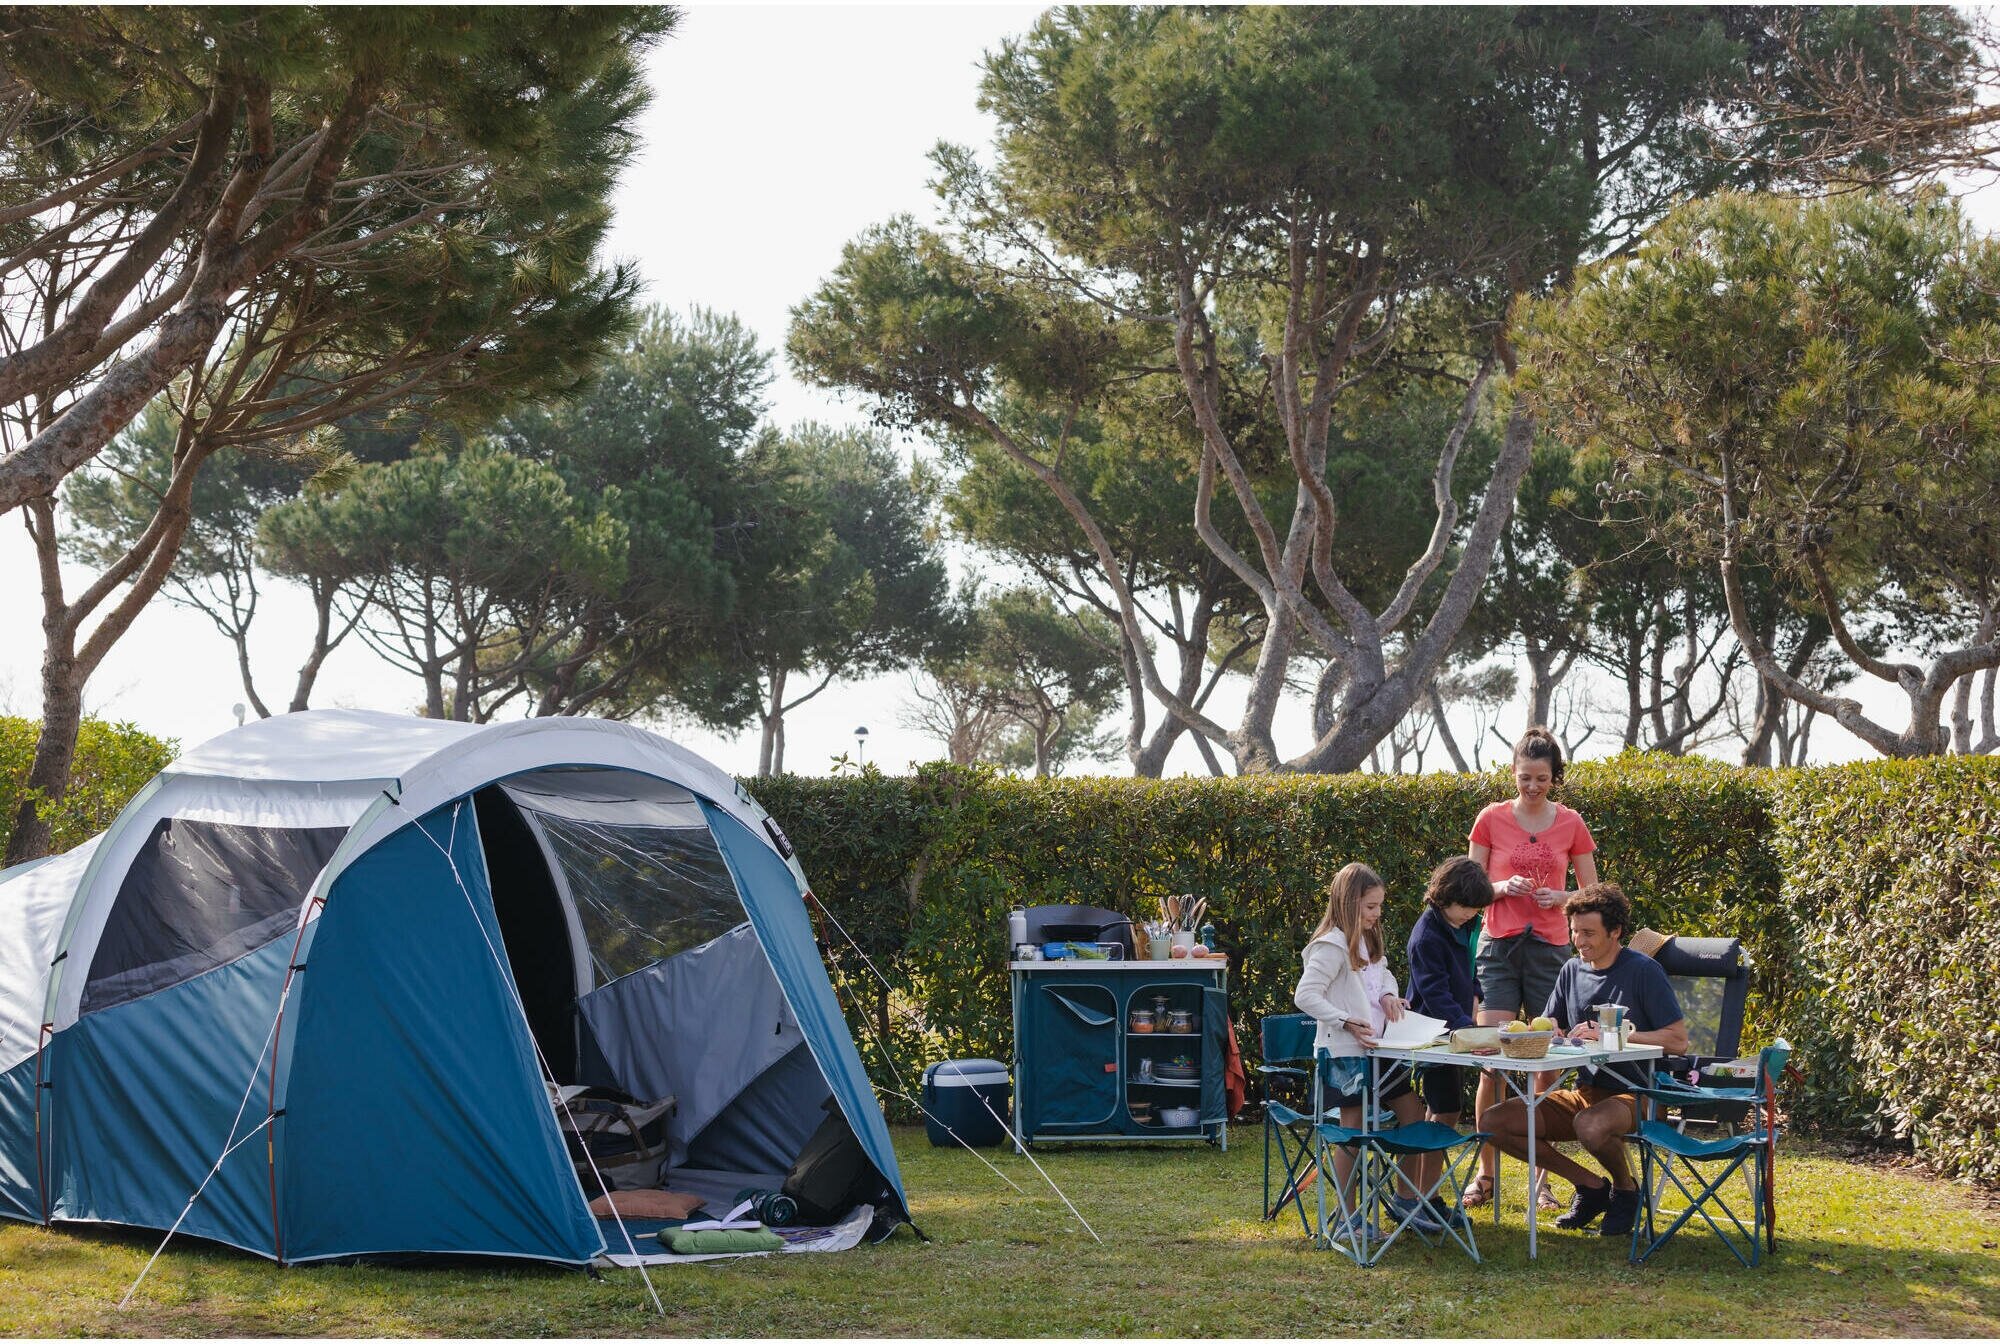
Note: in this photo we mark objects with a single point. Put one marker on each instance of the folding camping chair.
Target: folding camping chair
(1377, 1180)
(1700, 1168)
(1383, 1178)
(1711, 979)
(1287, 1048)
(1306, 1140)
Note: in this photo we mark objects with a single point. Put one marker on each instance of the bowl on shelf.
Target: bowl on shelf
(1179, 1117)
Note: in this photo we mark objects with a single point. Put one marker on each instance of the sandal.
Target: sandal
(1479, 1194)
(1547, 1202)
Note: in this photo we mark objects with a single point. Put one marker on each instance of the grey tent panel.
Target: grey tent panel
(702, 1027)
(765, 1128)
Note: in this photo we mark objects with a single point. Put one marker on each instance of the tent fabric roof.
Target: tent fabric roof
(323, 744)
(431, 758)
(354, 744)
(336, 758)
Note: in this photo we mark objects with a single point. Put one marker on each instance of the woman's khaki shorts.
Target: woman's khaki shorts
(1518, 972)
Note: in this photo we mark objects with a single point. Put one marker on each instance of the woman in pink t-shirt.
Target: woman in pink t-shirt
(1528, 847)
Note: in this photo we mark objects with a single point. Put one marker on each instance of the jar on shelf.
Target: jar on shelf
(1181, 1022)
(1141, 1021)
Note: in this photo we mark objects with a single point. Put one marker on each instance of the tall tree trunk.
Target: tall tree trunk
(771, 750)
(322, 645)
(1924, 688)
(55, 757)
(1634, 699)
(1541, 688)
(1961, 701)
(66, 665)
(434, 690)
(1763, 725)
(62, 700)
(1444, 732)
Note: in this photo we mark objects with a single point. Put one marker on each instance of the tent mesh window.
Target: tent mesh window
(201, 894)
(642, 893)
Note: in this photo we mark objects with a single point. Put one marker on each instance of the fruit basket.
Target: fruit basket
(1525, 1044)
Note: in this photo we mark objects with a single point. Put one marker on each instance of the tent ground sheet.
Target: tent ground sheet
(842, 1236)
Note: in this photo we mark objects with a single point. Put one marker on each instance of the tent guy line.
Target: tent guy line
(548, 1074)
(884, 1048)
(147, 1268)
(230, 1143)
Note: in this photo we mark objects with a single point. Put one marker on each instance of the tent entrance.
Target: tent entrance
(641, 973)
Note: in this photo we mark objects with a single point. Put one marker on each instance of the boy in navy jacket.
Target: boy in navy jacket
(1441, 982)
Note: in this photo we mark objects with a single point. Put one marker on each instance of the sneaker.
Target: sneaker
(1445, 1215)
(1622, 1213)
(1585, 1205)
(1418, 1215)
(1353, 1229)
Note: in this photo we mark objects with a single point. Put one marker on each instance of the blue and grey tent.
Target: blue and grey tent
(337, 970)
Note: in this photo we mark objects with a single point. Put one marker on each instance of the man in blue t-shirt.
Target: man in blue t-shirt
(1600, 1111)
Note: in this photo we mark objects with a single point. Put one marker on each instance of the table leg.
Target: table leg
(1498, 1156)
(1531, 1096)
(1364, 1203)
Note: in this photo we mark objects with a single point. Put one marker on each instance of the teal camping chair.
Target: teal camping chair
(1701, 1169)
(1287, 1048)
(1364, 1220)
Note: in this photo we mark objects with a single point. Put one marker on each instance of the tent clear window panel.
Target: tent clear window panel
(201, 894)
(642, 893)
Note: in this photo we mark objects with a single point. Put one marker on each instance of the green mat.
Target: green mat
(719, 1242)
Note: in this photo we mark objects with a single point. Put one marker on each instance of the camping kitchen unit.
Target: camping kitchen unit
(1120, 1050)
(343, 972)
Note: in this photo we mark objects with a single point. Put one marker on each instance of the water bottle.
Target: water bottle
(1017, 927)
(1207, 936)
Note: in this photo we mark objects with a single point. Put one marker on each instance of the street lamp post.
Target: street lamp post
(860, 747)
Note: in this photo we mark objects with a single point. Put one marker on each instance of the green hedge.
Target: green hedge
(1861, 892)
(113, 761)
(1892, 879)
(922, 870)
(1856, 891)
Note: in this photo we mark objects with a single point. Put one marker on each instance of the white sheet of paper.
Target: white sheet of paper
(1412, 1030)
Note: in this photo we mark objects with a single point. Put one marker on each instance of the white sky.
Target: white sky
(776, 134)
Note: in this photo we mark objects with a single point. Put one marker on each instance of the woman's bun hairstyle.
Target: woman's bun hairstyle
(1539, 744)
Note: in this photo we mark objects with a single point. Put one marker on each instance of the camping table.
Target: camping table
(1519, 1076)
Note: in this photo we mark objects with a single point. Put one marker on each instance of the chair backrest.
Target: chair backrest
(1287, 1038)
(1711, 978)
(1111, 926)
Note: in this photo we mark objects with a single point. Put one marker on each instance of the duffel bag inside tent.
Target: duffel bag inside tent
(337, 971)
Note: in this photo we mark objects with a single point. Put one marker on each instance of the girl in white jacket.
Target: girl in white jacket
(1348, 990)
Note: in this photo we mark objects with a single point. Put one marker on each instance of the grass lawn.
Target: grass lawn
(1864, 1250)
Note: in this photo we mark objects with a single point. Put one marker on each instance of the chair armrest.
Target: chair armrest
(1280, 1068)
